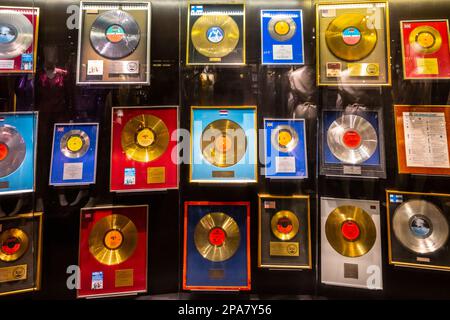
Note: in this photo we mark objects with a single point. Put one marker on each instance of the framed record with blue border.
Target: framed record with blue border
(352, 143)
(282, 37)
(215, 33)
(74, 154)
(223, 144)
(216, 246)
(17, 152)
(285, 149)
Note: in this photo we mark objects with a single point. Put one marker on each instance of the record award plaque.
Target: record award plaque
(216, 246)
(423, 134)
(20, 253)
(144, 149)
(352, 143)
(74, 154)
(282, 37)
(18, 39)
(285, 149)
(215, 34)
(113, 251)
(353, 44)
(418, 229)
(114, 43)
(223, 144)
(425, 49)
(284, 232)
(17, 152)
(350, 245)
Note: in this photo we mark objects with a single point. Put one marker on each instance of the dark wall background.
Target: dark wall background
(277, 91)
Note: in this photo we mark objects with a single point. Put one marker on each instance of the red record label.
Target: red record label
(350, 230)
(11, 245)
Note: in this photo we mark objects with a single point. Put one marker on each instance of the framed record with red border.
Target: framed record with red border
(216, 246)
(113, 251)
(143, 149)
(18, 39)
(425, 49)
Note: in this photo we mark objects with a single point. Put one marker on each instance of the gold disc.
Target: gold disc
(217, 236)
(425, 39)
(350, 231)
(113, 239)
(223, 143)
(351, 36)
(284, 225)
(145, 138)
(215, 36)
(14, 243)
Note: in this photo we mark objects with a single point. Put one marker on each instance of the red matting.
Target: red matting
(411, 56)
(31, 14)
(119, 160)
(137, 262)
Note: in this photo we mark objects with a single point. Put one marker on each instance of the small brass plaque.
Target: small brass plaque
(156, 175)
(13, 273)
(363, 69)
(216, 274)
(223, 174)
(124, 278)
(284, 249)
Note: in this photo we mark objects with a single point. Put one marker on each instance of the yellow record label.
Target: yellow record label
(145, 137)
(113, 239)
(124, 278)
(284, 249)
(156, 175)
(284, 138)
(13, 273)
(427, 66)
(282, 28)
(75, 143)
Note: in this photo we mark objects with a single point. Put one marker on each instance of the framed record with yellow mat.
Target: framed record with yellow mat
(423, 133)
(284, 237)
(113, 251)
(114, 43)
(18, 39)
(350, 244)
(143, 149)
(215, 33)
(418, 229)
(20, 253)
(353, 43)
(216, 246)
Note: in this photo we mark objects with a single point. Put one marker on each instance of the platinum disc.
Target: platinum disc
(16, 34)
(286, 144)
(74, 144)
(282, 28)
(12, 150)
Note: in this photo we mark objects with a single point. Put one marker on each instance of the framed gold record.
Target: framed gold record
(353, 43)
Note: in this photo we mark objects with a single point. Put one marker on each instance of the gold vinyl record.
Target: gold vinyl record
(284, 225)
(425, 39)
(113, 239)
(223, 143)
(145, 138)
(282, 28)
(351, 36)
(217, 236)
(14, 243)
(350, 231)
(420, 226)
(284, 138)
(215, 36)
(352, 139)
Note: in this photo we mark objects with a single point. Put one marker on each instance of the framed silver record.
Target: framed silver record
(16, 34)
(282, 28)
(276, 137)
(74, 144)
(12, 150)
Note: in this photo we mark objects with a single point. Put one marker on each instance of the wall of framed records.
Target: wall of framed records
(104, 111)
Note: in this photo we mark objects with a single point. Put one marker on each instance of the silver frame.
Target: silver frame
(80, 29)
(111, 150)
(95, 156)
(262, 41)
(304, 144)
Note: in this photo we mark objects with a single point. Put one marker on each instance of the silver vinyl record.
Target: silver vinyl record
(12, 150)
(282, 28)
(420, 226)
(115, 34)
(352, 139)
(74, 144)
(284, 138)
(16, 34)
